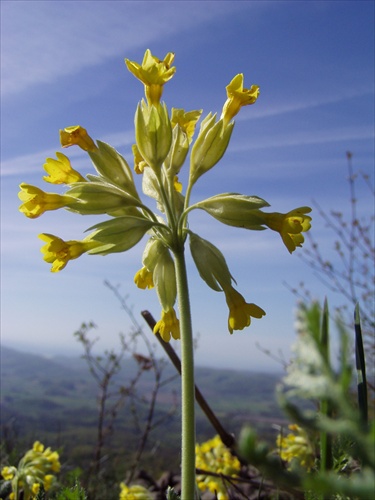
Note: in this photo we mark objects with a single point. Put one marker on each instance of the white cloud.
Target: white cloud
(43, 41)
(270, 109)
(320, 136)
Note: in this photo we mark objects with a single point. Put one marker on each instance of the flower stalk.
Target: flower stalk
(187, 379)
(163, 143)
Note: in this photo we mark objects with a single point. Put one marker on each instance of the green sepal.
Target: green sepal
(210, 262)
(158, 260)
(99, 198)
(153, 133)
(210, 146)
(235, 209)
(119, 234)
(113, 167)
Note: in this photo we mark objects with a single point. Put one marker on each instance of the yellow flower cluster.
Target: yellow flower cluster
(296, 447)
(135, 492)
(163, 142)
(36, 468)
(213, 456)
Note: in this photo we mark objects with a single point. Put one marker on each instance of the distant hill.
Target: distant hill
(55, 401)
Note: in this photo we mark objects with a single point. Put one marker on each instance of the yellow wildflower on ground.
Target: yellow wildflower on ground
(35, 469)
(135, 492)
(296, 447)
(214, 456)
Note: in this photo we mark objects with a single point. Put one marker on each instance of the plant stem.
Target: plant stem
(187, 380)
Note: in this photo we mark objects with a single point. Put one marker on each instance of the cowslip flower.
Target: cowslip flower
(214, 456)
(238, 96)
(135, 492)
(214, 271)
(296, 447)
(36, 201)
(240, 312)
(153, 73)
(143, 278)
(290, 226)
(168, 326)
(139, 162)
(77, 135)
(59, 252)
(186, 121)
(60, 171)
(35, 469)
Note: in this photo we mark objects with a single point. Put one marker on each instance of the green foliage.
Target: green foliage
(345, 466)
(74, 493)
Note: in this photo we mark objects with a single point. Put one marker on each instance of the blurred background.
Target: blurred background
(63, 64)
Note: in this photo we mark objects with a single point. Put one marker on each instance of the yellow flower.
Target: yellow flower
(215, 457)
(177, 184)
(139, 162)
(240, 312)
(35, 488)
(77, 135)
(296, 446)
(290, 226)
(168, 326)
(58, 252)
(36, 201)
(8, 473)
(153, 73)
(38, 447)
(143, 278)
(238, 97)
(135, 492)
(60, 171)
(185, 120)
(47, 481)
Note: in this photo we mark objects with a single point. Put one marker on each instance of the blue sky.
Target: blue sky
(63, 64)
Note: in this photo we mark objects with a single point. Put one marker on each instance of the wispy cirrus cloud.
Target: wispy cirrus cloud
(269, 109)
(43, 41)
(302, 138)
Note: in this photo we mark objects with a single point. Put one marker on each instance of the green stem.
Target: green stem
(187, 381)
